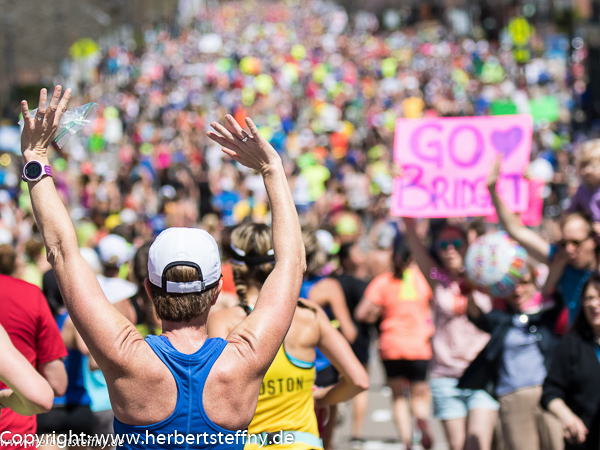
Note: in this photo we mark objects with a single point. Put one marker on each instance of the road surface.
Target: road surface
(379, 430)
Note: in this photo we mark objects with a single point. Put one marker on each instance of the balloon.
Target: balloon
(495, 263)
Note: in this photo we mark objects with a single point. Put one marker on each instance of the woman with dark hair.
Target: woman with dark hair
(285, 403)
(400, 300)
(468, 416)
(572, 388)
(342, 292)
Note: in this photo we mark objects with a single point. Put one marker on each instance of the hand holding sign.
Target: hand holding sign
(494, 174)
(445, 163)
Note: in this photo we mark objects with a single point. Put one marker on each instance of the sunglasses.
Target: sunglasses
(456, 243)
(574, 242)
(524, 282)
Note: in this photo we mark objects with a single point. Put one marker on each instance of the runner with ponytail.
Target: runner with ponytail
(286, 401)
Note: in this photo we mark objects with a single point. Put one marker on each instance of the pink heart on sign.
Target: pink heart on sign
(507, 141)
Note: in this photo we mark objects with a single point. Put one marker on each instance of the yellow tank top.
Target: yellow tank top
(286, 402)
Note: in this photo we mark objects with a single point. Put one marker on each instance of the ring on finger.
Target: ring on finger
(245, 135)
(39, 118)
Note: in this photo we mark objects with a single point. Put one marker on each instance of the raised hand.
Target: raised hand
(494, 174)
(246, 147)
(39, 131)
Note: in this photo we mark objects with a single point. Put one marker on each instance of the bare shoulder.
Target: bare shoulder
(221, 322)
(323, 289)
(325, 283)
(146, 392)
(138, 355)
(308, 308)
(305, 324)
(304, 333)
(234, 313)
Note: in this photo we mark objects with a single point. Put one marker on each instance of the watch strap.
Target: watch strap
(46, 170)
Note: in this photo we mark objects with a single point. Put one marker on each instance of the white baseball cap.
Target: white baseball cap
(114, 249)
(116, 289)
(184, 247)
(91, 257)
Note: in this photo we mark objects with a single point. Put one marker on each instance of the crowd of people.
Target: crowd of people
(324, 92)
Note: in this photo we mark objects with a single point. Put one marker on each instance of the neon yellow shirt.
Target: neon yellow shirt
(286, 402)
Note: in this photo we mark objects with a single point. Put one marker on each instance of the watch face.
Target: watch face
(32, 171)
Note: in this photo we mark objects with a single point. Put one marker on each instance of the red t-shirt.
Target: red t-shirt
(26, 316)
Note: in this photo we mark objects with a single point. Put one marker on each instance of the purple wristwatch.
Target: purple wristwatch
(34, 170)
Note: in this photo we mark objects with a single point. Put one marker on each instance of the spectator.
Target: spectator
(571, 389)
(468, 416)
(587, 198)
(514, 364)
(571, 261)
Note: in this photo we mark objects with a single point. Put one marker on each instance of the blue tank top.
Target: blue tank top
(189, 426)
(321, 362)
(74, 364)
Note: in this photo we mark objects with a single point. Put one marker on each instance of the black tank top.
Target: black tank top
(354, 290)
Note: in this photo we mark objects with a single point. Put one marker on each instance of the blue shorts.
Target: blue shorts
(450, 402)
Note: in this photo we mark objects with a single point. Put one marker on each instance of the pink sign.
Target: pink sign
(446, 162)
(532, 216)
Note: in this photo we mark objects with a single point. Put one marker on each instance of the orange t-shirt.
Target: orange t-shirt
(406, 323)
(228, 283)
